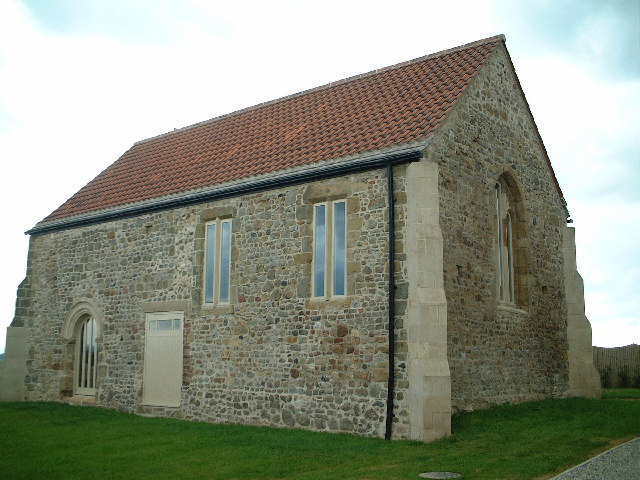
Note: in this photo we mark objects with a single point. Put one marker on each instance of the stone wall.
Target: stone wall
(500, 352)
(273, 356)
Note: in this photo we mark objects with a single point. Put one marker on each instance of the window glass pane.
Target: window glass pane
(91, 339)
(164, 325)
(93, 352)
(339, 248)
(500, 243)
(510, 259)
(176, 324)
(81, 355)
(87, 355)
(210, 262)
(319, 251)
(225, 261)
(94, 332)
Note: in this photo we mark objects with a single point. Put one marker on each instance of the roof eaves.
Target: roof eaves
(342, 166)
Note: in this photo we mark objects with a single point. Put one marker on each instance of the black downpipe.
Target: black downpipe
(392, 303)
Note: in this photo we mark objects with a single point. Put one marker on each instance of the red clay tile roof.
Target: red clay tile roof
(393, 106)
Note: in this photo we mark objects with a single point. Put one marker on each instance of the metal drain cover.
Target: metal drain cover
(439, 475)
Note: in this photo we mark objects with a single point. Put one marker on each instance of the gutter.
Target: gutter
(253, 186)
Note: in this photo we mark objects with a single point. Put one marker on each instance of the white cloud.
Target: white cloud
(607, 259)
(605, 35)
(590, 125)
(80, 81)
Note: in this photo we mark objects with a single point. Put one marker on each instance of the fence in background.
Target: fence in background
(618, 367)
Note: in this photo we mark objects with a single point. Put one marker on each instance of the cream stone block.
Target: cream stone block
(433, 264)
(417, 353)
(438, 375)
(584, 380)
(429, 215)
(429, 396)
(434, 333)
(437, 314)
(425, 280)
(13, 367)
(427, 335)
(439, 351)
(435, 405)
(430, 295)
(440, 385)
(432, 376)
(439, 420)
(427, 232)
(575, 309)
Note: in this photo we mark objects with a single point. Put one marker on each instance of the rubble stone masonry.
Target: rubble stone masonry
(274, 355)
(500, 352)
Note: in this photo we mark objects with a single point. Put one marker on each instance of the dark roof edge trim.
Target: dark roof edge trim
(259, 185)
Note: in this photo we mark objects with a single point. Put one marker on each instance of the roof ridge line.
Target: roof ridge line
(257, 106)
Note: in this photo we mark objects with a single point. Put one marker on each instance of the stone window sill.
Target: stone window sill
(328, 303)
(217, 309)
(80, 400)
(510, 307)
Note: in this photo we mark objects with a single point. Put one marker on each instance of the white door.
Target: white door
(162, 378)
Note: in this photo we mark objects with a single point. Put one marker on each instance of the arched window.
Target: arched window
(509, 243)
(85, 367)
(82, 329)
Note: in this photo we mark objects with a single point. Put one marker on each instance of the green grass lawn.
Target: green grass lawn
(531, 440)
(621, 393)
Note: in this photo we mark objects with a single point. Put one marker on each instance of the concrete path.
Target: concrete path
(619, 463)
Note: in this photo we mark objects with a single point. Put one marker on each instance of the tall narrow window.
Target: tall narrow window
(339, 249)
(330, 249)
(210, 263)
(319, 250)
(499, 241)
(217, 264)
(225, 261)
(86, 358)
(510, 267)
(504, 244)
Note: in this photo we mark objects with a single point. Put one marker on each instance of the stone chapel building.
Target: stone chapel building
(366, 257)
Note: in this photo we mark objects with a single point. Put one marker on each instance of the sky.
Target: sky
(82, 80)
